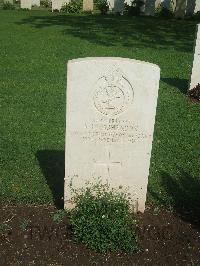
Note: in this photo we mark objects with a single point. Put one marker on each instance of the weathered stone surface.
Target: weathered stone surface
(197, 6)
(57, 4)
(26, 4)
(88, 5)
(111, 108)
(35, 2)
(195, 77)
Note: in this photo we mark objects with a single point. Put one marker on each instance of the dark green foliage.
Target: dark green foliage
(134, 9)
(72, 7)
(45, 3)
(195, 92)
(58, 216)
(8, 6)
(196, 16)
(103, 6)
(102, 220)
(164, 12)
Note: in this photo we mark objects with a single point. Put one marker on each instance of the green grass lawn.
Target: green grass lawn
(34, 49)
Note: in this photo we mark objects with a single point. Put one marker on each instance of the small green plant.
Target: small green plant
(45, 3)
(8, 6)
(72, 7)
(58, 216)
(102, 220)
(4, 226)
(24, 224)
(102, 6)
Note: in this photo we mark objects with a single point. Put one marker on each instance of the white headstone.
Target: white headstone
(35, 2)
(197, 6)
(111, 108)
(150, 8)
(57, 4)
(195, 77)
(26, 4)
(111, 4)
(180, 10)
(88, 5)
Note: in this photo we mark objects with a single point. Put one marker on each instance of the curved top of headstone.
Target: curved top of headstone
(112, 59)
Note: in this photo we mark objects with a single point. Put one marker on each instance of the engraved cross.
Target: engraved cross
(108, 163)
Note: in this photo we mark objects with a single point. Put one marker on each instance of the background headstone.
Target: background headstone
(26, 4)
(150, 8)
(111, 4)
(180, 10)
(88, 5)
(157, 3)
(118, 6)
(57, 4)
(195, 77)
(35, 2)
(197, 6)
(110, 124)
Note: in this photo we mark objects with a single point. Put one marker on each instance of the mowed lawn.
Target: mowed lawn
(34, 49)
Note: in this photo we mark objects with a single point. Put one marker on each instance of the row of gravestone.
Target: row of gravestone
(180, 7)
(111, 109)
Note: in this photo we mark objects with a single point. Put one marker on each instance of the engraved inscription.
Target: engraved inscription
(111, 130)
(113, 94)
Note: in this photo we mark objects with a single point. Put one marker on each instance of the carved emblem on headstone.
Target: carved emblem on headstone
(113, 94)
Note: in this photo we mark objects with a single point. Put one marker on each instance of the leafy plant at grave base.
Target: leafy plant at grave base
(58, 216)
(102, 220)
(24, 224)
(8, 6)
(134, 9)
(72, 7)
(164, 12)
(102, 6)
(195, 92)
(45, 3)
(4, 226)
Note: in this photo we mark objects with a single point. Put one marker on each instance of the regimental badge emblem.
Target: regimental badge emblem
(113, 94)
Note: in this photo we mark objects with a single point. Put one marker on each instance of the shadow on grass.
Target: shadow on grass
(181, 84)
(114, 30)
(52, 164)
(183, 193)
